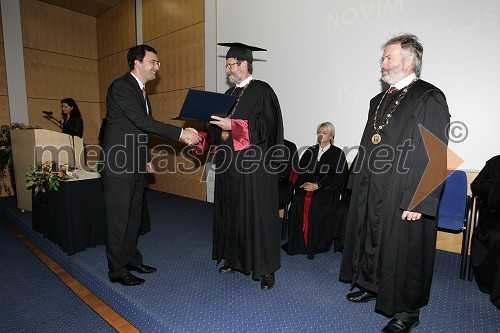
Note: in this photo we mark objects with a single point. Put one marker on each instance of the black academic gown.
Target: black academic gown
(330, 173)
(382, 253)
(246, 229)
(485, 247)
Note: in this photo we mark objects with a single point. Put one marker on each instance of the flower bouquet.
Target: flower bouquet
(47, 175)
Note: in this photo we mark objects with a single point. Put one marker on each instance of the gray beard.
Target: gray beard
(393, 78)
(233, 79)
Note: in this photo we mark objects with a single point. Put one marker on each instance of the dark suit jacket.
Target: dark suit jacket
(128, 124)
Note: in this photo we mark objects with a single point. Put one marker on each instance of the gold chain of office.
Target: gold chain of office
(377, 138)
(225, 134)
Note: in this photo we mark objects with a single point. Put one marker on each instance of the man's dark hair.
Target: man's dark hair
(137, 53)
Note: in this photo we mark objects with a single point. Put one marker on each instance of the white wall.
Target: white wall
(14, 61)
(323, 61)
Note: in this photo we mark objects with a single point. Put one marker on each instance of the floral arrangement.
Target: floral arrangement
(46, 176)
(6, 162)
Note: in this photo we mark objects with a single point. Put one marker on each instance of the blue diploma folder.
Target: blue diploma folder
(200, 105)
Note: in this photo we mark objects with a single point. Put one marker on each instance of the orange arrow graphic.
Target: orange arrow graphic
(441, 158)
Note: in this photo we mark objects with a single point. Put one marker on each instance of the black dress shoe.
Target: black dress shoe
(227, 270)
(144, 269)
(398, 326)
(360, 296)
(267, 282)
(127, 279)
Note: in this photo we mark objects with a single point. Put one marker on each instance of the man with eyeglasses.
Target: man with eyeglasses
(246, 231)
(126, 162)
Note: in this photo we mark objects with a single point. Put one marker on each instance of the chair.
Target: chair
(286, 183)
(477, 208)
(455, 212)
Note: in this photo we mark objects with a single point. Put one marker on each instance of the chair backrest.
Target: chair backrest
(453, 202)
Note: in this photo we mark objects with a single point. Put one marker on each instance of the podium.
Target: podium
(40, 145)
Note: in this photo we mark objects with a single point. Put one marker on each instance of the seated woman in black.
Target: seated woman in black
(322, 174)
(485, 248)
(72, 118)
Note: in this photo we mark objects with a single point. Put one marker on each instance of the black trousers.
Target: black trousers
(123, 205)
(408, 316)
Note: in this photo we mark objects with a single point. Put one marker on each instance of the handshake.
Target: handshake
(190, 136)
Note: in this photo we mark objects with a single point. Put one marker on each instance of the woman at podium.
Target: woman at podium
(72, 118)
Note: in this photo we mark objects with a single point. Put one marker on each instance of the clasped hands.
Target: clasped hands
(309, 187)
(190, 136)
(411, 216)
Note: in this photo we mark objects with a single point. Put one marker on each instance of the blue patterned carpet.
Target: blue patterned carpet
(33, 299)
(187, 294)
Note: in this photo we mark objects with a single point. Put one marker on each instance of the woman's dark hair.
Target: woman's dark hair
(75, 112)
(137, 53)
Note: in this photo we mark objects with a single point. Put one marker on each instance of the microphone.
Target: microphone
(48, 113)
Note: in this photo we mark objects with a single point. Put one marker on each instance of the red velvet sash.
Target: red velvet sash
(305, 216)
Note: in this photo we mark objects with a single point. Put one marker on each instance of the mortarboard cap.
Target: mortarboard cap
(240, 51)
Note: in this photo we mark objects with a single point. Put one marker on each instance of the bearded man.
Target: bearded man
(246, 232)
(396, 183)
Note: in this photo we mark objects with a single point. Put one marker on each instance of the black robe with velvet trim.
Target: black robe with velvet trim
(383, 253)
(246, 229)
(330, 173)
(485, 247)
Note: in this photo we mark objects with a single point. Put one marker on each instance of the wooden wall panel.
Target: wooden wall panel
(59, 30)
(182, 60)
(185, 176)
(102, 110)
(175, 29)
(55, 76)
(116, 29)
(60, 60)
(35, 108)
(4, 110)
(3, 74)
(168, 105)
(162, 17)
(1, 27)
(110, 68)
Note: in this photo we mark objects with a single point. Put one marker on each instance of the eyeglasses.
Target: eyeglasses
(154, 62)
(231, 65)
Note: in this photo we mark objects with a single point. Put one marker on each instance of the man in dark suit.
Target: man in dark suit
(126, 162)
